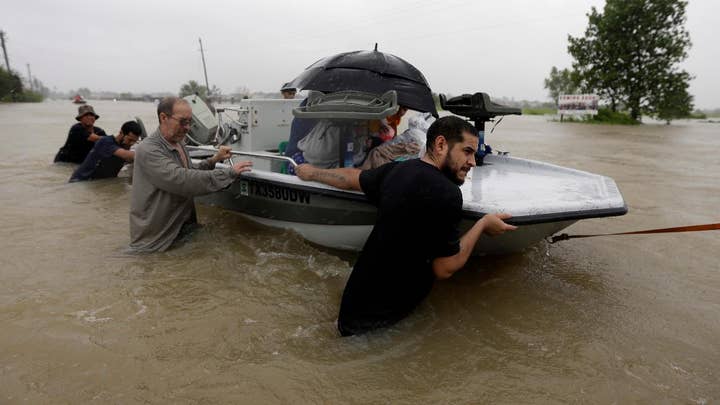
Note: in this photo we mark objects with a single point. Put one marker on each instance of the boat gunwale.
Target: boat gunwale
(329, 191)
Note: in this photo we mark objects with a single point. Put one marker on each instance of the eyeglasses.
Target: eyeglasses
(185, 122)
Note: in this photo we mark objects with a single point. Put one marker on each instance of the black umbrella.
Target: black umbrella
(370, 71)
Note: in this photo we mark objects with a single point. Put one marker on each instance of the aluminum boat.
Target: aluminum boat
(541, 197)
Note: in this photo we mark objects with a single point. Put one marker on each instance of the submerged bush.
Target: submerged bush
(604, 116)
(607, 116)
(698, 115)
(539, 111)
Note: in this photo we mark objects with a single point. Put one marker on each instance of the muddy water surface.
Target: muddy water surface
(245, 313)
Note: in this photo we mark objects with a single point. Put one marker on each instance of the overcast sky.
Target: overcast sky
(505, 48)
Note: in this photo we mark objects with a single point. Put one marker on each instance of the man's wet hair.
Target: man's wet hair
(452, 128)
(166, 105)
(131, 126)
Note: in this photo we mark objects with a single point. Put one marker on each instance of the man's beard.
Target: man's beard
(446, 169)
(180, 137)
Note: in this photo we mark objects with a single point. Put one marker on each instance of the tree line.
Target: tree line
(629, 55)
(12, 88)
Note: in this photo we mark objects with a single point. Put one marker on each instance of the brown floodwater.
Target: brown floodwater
(245, 313)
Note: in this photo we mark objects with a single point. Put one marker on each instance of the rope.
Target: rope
(691, 228)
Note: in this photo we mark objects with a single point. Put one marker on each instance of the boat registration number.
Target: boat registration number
(274, 192)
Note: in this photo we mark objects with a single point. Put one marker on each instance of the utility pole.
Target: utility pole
(30, 81)
(202, 53)
(2, 42)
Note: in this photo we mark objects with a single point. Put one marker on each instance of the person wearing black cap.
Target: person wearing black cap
(287, 91)
(81, 138)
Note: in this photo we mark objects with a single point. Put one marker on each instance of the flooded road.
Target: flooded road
(245, 313)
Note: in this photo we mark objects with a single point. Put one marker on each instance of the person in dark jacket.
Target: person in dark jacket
(81, 138)
(109, 154)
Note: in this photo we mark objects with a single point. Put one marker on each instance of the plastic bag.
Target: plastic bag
(320, 146)
(416, 132)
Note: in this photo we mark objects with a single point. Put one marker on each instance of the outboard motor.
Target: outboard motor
(204, 123)
(479, 109)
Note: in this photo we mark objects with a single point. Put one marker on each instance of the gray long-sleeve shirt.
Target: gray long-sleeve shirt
(163, 191)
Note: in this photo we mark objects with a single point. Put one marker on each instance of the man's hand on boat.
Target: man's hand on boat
(490, 224)
(494, 224)
(223, 153)
(346, 178)
(242, 167)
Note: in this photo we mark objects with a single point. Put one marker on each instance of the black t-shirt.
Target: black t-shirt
(419, 210)
(108, 167)
(101, 162)
(77, 146)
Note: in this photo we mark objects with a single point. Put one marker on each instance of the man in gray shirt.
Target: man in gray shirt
(165, 180)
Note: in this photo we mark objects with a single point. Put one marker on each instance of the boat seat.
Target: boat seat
(477, 107)
(348, 105)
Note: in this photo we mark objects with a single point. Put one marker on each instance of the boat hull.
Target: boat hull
(342, 219)
(290, 202)
(353, 237)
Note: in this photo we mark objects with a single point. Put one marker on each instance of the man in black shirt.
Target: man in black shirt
(81, 138)
(415, 239)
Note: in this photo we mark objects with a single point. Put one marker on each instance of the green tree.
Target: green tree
(193, 87)
(10, 85)
(675, 101)
(630, 53)
(560, 82)
(12, 90)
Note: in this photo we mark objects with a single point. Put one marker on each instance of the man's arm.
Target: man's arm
(126, 155)
(166, 174)
(346, 178)
(95, 134)
(491, 224)
(78, 135)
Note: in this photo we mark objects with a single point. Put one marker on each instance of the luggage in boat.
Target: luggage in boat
(342, 138)
(320, 146)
